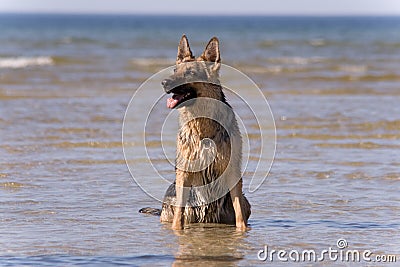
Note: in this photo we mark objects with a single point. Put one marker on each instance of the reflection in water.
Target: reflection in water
(209, 244)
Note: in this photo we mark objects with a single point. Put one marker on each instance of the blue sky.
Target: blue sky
(227, 7)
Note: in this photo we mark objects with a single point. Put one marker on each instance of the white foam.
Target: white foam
(153, 61)
(296, 60)
(317, 42)
(23, 62)
(261, 70)
(353, 68)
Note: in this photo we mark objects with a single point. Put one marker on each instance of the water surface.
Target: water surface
(67, 198)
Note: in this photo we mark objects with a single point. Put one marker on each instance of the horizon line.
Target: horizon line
(202, 14)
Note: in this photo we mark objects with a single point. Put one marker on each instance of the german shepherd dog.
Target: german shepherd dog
(208, 184)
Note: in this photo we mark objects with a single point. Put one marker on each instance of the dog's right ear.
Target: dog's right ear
(184, 52)
(211, 53)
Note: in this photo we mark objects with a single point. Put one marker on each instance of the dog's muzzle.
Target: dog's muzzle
(167, 85)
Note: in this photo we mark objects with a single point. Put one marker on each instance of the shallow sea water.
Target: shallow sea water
(67, 197)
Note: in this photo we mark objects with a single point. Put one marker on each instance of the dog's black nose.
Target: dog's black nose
(165, 83)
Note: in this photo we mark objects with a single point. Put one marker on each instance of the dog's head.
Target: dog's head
(191, 74)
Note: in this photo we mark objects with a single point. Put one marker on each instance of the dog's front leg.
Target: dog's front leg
(236, 196)
(182, 187)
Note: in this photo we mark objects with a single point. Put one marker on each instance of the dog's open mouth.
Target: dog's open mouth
(178, 98)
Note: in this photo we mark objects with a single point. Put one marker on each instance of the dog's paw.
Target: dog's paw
(177, 226)
(241, 227)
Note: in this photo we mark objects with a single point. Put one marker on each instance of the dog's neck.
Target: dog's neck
(205, 117)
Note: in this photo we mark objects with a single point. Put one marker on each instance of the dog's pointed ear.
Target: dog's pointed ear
(211, 53)
(184, 52)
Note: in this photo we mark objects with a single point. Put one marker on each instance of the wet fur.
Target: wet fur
(233, 208)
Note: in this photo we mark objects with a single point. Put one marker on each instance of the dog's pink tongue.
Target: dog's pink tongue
(171, 103)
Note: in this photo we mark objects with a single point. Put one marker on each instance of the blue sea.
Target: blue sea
(67, 197)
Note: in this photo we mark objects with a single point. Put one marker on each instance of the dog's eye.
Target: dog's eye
(192, 72)
(174, 70)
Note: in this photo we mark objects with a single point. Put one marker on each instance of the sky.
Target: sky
(204, 7)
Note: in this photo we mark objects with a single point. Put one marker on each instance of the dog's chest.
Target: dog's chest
(204, 154)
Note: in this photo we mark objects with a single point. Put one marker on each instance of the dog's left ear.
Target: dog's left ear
(211, 53)
(184, 52)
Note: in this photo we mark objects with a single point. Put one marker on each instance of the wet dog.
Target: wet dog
(208, 184)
